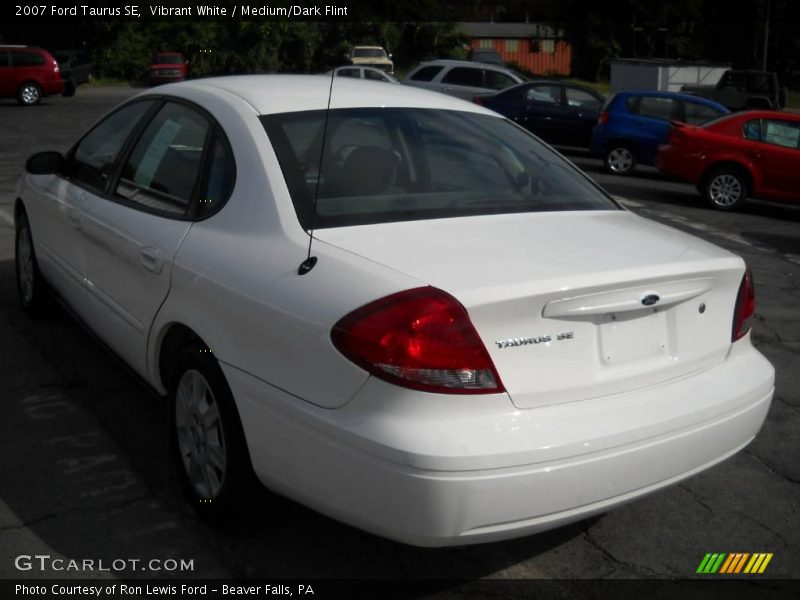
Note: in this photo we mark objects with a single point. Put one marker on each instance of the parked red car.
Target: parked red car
(168, 67)
(751, 153)
(28, 74)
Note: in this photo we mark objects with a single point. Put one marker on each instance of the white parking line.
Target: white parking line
(6, 217)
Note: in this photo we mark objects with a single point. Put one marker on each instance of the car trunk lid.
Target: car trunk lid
(570, 305)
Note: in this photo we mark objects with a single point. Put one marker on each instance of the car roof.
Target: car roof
(464, 63)
(269, 94)
(677, 95)
(766, 114)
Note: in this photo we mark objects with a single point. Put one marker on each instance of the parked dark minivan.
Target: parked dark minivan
(28, 74)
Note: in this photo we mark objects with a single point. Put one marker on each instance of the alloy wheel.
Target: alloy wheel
(201, 440)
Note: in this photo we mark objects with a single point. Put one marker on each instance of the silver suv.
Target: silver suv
(461, 78)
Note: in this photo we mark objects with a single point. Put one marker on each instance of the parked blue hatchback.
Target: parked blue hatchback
(633, 124)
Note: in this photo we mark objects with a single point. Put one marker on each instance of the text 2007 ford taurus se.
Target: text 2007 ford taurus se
(482, 345)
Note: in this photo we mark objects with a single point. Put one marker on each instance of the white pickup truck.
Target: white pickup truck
(371, 56)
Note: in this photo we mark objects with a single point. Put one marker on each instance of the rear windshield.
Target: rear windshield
(168, 59)
(399, 164)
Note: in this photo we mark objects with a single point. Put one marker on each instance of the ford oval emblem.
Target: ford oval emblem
(650, 299)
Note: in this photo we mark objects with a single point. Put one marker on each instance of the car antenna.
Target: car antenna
(310, 261)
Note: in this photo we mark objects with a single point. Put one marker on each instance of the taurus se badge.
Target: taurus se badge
(539, 339)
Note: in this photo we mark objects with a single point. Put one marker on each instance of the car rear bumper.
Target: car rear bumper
(417, 469)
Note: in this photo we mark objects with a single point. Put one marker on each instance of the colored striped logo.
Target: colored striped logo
(734, 563)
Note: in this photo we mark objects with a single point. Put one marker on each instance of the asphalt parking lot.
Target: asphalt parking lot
(83, 466)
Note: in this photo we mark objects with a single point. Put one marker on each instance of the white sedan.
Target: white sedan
(403, 311)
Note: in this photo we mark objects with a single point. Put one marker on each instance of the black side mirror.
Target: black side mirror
(44, 163)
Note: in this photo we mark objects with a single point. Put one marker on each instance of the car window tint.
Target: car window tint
(631, 103)
(497, 80)
(400, 164)
(426, 73)
(582, 99)
(697, 114)
(373, 75)
(26, 58)
(752, 130)
(550, 94)
(464, 76)
(781, 133)
(162, 170)
(349, 73)
(219, 178)
(93, 159)
(656, 108)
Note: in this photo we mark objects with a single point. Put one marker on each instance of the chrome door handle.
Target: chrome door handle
(151, 259)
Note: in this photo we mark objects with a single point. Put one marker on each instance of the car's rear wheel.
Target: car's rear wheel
(207, 437)
(725, 189)
(619, 159)
(34, 297)
(29, 93)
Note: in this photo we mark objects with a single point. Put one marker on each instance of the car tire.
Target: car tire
(619, 159)
(207, 439)
(725, 189)
(33, 292)
(29, 93)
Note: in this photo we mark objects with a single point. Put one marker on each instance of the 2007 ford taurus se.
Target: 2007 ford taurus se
(395, 307)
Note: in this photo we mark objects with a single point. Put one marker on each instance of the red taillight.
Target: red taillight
(603, 118)
(745, 307)
(421, 339)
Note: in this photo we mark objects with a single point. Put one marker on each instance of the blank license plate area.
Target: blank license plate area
(631, 337)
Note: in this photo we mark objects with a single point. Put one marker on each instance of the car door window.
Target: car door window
(547, 93)
(356, 73)
(781, 133)
(426, 73)
(374, 75)
(497, 80)
(697, 114)
(582, 99)
(464, 76)
(162, 171)
(656, 108)
(92, 161)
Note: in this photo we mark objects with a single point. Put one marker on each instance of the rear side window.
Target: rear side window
(656, 108)
(497, 80)
(219, 178)
(356, 73)
(581, 99)
(400, 164)
(92, 161)
(781, 133)
(549, 94)
(26, 58)
(426, 73)
(464, 76)
(164, 166)
(4, 60)
(752, 130)
(697, 114)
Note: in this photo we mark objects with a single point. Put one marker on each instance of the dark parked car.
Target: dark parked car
(168, 67)
(633, 124)
(754, 153)
(76, 67)
(558, 113)
(28, 74)
(739, 90)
